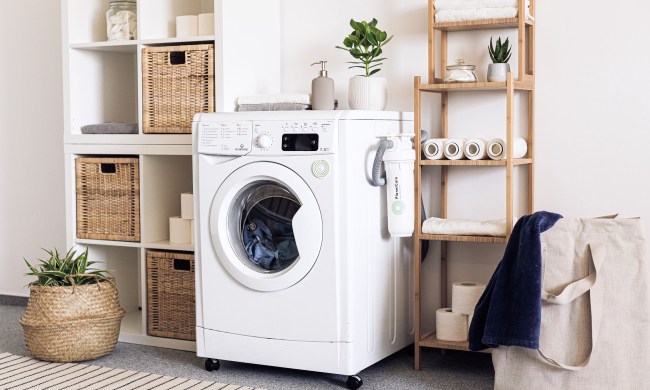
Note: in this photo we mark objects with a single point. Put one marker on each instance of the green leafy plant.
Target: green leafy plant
(65, 270)
(364, 44)
(500, 54)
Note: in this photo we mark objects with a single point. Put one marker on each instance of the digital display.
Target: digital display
(300, 142)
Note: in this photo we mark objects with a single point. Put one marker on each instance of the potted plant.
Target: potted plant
(73, 312)
(500, 54)
(365, 45)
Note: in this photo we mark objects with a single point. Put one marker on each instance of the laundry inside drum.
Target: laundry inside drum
(265, 227)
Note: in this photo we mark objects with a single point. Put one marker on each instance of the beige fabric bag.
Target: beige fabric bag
(596, 290)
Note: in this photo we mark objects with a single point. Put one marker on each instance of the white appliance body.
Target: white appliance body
(345, 302)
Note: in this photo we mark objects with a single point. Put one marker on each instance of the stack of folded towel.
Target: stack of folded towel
(468, 10)
(278, 102)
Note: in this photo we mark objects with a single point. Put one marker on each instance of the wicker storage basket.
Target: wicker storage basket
(170, 295)
(177, 82)
(108, 198)
(72, 323)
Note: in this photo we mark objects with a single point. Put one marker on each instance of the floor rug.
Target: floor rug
(23, 373)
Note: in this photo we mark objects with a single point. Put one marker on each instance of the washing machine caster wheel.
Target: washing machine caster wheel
(354, 382)
(212, 365)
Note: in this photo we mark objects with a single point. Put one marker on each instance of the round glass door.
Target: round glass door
(260, 223)
(266, 228)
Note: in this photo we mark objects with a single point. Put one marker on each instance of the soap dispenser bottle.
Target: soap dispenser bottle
(322, 90)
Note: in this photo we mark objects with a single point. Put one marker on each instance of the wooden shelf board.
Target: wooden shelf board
(482, 163)
(458, 238)
(472, 87)
(485, 24)
(165, 41)
(430, 340)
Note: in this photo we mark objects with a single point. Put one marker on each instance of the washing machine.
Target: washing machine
(295, 266)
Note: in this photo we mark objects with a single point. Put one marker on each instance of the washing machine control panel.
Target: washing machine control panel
(227, 138)
(293, 137)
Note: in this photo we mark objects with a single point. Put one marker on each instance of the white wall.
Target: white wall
(592, 109)
(31, 138)
(593, 97)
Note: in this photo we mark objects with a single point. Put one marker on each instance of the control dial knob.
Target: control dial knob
(264, 141)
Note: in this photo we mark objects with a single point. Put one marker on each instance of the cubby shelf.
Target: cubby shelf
(103, 83)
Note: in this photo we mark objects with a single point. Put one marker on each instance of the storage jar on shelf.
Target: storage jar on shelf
(121, 20)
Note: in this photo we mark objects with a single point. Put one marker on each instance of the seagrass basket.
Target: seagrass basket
(108, 198)
(177, 82)
(72, 323)
(170, 295)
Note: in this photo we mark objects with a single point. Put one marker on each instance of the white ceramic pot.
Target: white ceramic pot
(497, 72)
(367, 93)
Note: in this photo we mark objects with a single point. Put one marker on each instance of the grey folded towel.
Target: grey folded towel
(273, 107)
(110, 128)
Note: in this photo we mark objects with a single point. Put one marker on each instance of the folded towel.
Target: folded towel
(466, 15)
(274, 107)
(474, 4)
(510, 310)
(433, 225)
(110, 128)
(297, 98)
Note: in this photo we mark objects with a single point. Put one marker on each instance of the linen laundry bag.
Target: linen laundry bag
(595, 322)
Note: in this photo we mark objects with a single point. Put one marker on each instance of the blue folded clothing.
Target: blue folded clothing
(510, 310)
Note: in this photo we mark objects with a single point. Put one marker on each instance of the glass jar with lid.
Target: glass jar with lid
(121, 24)
(460, 73)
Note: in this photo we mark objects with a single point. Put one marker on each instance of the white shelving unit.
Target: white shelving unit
(102, 83)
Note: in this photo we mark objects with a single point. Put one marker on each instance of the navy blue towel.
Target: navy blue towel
(510, 309)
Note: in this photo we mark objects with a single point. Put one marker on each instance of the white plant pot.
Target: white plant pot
(367, 93)
(497, 72)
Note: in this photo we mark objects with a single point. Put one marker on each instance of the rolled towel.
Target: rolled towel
(463, 227)
(433, 149)
(454, 148)
(496, 148)
(296, 98)
(475, 4)
(475, 149)
(466, 15)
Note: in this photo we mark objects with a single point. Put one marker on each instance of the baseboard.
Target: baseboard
(12, 300)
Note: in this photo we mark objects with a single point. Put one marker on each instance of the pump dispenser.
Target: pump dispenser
(322, 90)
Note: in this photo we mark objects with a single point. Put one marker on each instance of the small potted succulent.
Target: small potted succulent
(73, 312)
(365, 45)
(500, 54)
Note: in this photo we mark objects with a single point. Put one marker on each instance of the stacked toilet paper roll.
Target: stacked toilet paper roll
(195, 25)
(454, 148)
(473, 148)
(181, 228)
(452, 324)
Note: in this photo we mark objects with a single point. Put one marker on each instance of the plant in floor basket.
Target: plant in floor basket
(365, 45)
(500, 55)
(73, 312)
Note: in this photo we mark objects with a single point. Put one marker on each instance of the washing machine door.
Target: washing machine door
(266, 226)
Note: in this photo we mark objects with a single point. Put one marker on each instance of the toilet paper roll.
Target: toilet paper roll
(469, 321)
(192, 231)
(464, 296)
(475, 149)
(187, 26)
(454, 148)
(433, 149)
(450, 326)
(180, 230)
(187, 205)
(496, 148)
(206, 24)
